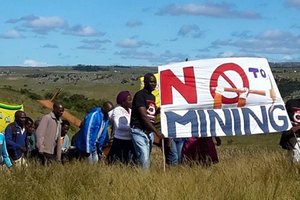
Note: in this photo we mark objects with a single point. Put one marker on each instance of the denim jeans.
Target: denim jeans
(142, 144)
(173, 153)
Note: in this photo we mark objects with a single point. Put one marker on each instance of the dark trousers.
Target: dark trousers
(121, 151)
(46, 158)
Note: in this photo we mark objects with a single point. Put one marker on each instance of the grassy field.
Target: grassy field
(97, 85)
(250, 167)
(244, 172)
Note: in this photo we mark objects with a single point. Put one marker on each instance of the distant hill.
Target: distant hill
(107, 68)
(285, 65)
(91, 68)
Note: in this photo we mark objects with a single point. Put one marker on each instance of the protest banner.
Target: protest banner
(220, 97)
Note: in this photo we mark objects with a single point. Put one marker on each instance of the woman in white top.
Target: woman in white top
(122, 148)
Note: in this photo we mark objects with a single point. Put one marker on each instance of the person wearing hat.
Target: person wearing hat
(122, 148)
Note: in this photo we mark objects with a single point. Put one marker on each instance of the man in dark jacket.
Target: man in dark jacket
(15, 136)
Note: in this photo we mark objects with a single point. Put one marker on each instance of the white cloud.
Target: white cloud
(153, 58)
(40, 24)
(267, 42)
(227, 54)
(11, 34)
(93, 44)
(169, 56)
(85, 31)
(50, 46)
(132, 43)
(293, 3)
(134, 23)
(186, 29)
(287, 58)
(34, 63)
(192, 30)
(44, 25)
(208, 9)
(47, 22)
(134, 54)
(128, 43)
(274, 35)
(24, 18)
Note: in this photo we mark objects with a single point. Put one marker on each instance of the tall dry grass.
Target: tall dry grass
(243, 173)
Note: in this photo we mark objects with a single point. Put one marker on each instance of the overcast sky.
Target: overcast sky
(146, 33)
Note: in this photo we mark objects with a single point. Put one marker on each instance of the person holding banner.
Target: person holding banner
(173, 150)
(143, 120)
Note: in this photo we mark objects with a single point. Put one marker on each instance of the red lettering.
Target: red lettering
(188, 89)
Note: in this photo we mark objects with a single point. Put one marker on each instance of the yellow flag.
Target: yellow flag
(154, 92)
(7, 114)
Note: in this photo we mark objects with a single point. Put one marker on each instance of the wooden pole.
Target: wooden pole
(163, 152)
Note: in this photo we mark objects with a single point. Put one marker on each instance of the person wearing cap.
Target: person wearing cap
(122, 148)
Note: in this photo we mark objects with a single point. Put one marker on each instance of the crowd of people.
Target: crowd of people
(133, 125)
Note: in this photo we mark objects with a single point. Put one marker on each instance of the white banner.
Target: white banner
(220, 97)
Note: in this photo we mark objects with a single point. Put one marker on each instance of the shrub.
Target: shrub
(79, 102)
(29, 94)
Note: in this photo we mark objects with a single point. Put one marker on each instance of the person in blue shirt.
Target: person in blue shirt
(15, 136)
(4, 157)
(93, 133)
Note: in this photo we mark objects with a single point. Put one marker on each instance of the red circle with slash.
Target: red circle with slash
(220, 72)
